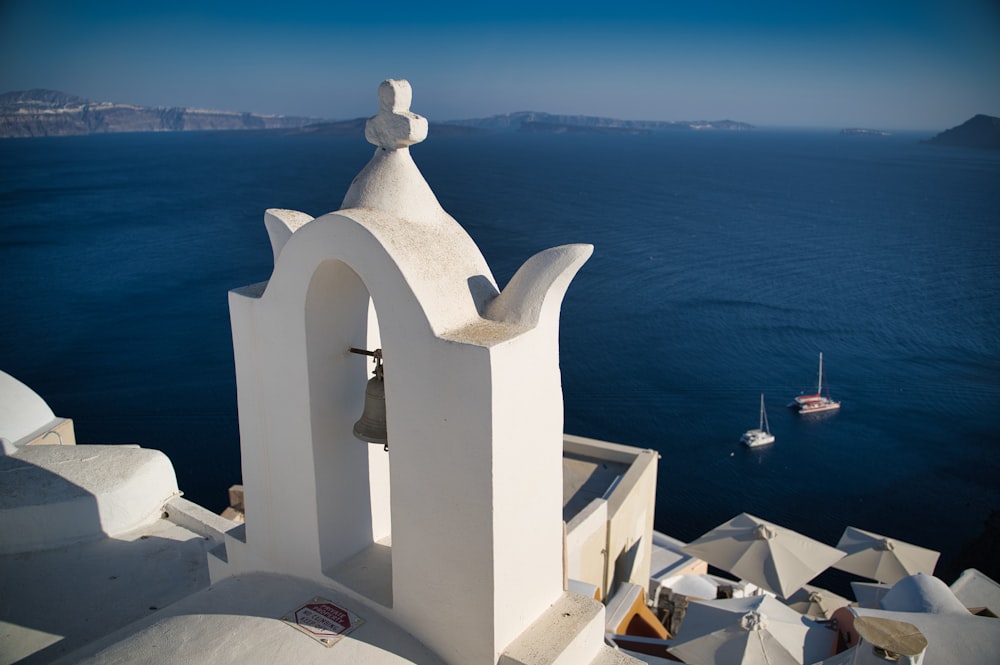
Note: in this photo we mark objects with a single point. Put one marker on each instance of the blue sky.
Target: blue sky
(890, 64)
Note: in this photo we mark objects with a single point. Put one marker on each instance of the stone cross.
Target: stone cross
(395, 126)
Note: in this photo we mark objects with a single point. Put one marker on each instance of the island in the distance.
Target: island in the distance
(547, 123)
(50, 113)
(858, 131)
(980, 131)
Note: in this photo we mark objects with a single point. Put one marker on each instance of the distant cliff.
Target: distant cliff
(531, 121)
(981, 131)
(52, 113)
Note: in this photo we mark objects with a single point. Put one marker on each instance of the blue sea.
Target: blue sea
(724, 264)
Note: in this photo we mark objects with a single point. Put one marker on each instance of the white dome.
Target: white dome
(922, 593)
(22, 411)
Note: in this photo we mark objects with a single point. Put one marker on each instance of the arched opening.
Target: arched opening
(352, 476)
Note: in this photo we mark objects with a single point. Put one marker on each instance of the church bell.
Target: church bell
(371, 425)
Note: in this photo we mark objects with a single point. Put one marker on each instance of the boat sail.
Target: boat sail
(762, 435)
(816, 402)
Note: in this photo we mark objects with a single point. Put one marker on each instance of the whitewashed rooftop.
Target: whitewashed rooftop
(100, 599)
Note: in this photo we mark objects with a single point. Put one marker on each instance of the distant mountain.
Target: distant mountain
(51, 113)
(535, 122)
(980, 131)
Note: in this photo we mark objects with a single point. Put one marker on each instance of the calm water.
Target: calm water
(724, 264)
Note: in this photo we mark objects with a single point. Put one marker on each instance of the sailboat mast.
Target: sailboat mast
(819, 386)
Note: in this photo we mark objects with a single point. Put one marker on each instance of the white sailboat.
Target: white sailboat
(816, 402)
(762, 435)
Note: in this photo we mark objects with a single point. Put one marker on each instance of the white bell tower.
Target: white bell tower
(455, 533)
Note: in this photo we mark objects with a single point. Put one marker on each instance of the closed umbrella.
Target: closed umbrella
(773, 557)
(883, 559)
(757, 630)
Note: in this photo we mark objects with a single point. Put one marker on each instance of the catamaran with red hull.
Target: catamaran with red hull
(817, 402)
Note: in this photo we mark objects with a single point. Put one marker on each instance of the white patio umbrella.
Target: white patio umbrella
(883, 559)
(758, 630)
(816, 603)
(773, 557)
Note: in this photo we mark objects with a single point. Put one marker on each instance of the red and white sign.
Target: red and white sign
(323, 621)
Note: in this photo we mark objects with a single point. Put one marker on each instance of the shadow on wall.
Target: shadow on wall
(41, 509)
(625, 561)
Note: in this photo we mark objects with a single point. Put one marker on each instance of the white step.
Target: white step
(609, 656)
(570, 632)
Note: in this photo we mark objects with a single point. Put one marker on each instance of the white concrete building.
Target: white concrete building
(455, 545)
